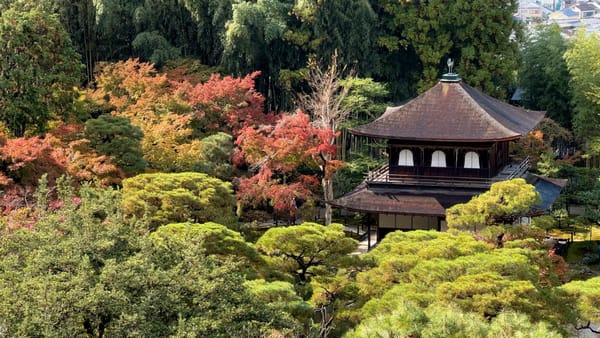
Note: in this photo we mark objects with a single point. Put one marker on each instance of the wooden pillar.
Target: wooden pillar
(422, 162)
(456, 161)
(492, 160)
(368, 236)
(377, 232)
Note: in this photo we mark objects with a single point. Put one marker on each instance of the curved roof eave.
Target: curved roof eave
(390, 137)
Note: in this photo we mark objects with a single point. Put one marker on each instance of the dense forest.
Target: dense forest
(145, 143)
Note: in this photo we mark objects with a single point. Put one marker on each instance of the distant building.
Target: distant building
(565, 14)
(586, 9)
(566, 19)
(530, 11)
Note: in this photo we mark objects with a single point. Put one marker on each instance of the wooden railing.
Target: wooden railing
(447, 176)
(380, 177)
(380, 173)
(521, 169)
(441, 171)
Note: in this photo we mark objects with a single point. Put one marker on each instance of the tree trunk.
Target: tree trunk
(327, 184)
(326, 320)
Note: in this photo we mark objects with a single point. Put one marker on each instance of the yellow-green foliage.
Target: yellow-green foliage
(299, 249)
(588, 297)
(179, 197)
(210, 239)
(504, 198)
(433, 269)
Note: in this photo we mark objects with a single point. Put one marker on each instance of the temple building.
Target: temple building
(444, 146)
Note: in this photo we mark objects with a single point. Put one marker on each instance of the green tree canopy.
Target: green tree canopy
(179, 197)
(210, 239)
(253, 30)
(481, 36)
(50, 274)
(210, 17)
(423, 271)
(254, 40)
(346, 27)
(165, 29)
(300, 249)
(153, 47)
(38, 70)
(81, 269)
(582, 61)
(588, 297)
(115, 136)
(409, 320)
(509, 198)
(281, 296)
(319, 259)
(115, 28)
(216, 152)
(544, 76)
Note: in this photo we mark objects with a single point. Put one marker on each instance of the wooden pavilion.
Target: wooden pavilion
(445, 146)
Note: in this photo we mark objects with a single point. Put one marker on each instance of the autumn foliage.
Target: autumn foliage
(288, 159)
(287, 155)
(25, 159)
(83, 163)
(226, 104)
(173, 115)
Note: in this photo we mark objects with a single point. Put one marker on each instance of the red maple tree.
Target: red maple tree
(24, 160)
(288, 159)
(227, 103)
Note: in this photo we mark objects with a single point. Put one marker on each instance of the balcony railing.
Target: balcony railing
(513, 170)
(453, 177)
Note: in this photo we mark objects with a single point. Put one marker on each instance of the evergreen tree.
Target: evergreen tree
(181, 197)
(417, 275)
(83, 270)
(210, 17)
(115, 137)
(506, 199)
(116, 28)
(582, 61)
(544, 76)
(38, 69)
(481, 36)
(255, 40)
(343, 27)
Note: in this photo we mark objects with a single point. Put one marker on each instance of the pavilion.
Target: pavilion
(445, 146)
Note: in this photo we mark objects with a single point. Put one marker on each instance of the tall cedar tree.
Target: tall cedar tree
(544, 76)
(584, 67)
(480, 35)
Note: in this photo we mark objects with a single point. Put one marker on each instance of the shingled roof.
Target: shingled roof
(452, 111)
(426, 201)
(402, 201)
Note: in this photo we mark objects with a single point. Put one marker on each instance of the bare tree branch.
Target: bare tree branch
(325, 104)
